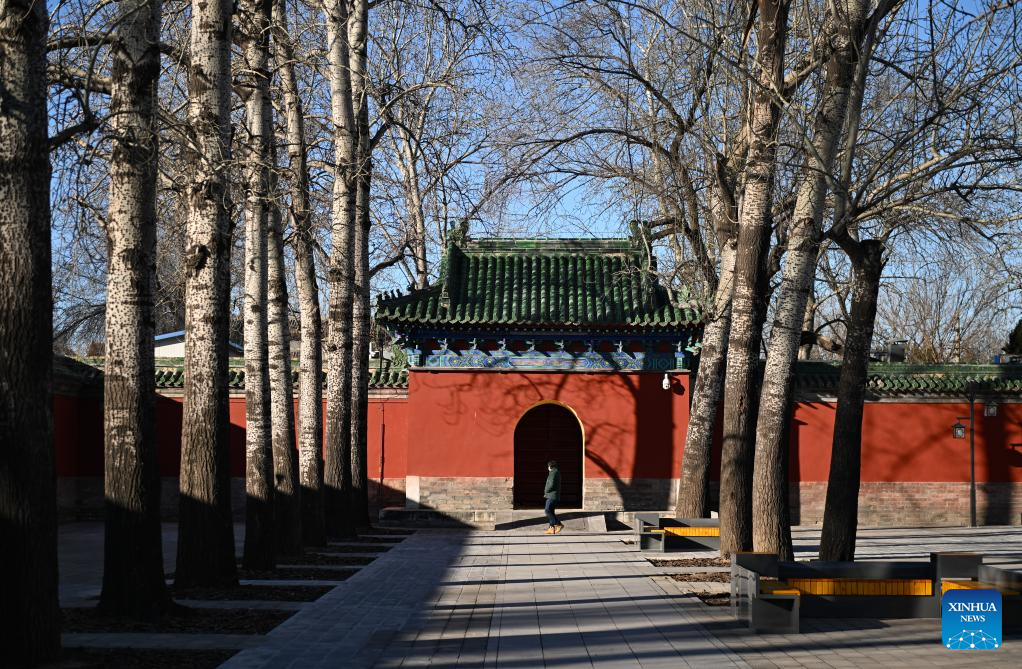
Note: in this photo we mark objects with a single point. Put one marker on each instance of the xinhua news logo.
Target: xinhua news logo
(971, 619)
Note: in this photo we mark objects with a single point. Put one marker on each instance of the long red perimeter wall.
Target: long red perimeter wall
(449, 444)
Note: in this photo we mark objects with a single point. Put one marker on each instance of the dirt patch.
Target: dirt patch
(692, 562)
(297, 574)
(182, 620)
(703, 577)
(326, 559)
(131, 658)
(263, 593)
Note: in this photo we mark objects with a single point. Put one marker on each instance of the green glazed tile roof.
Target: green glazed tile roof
(556, 283)
(892, 380)
(170, 373)
(921, 380)
(379, 379)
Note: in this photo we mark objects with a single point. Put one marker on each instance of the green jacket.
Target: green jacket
(552, 489)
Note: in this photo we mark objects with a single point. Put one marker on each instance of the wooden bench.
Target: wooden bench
(771, 595)
(679, 534)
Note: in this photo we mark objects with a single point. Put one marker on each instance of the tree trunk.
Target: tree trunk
(357, 36)
(260, 535)
(750, 285)
(693, 491)
(360, 376)
(408, 166)
(805, 350)
(133, 581)
(205, 549)
(30, 633)
(840, 515)
(287, 512)
(337, 454)
(310, 361)
(771, 515)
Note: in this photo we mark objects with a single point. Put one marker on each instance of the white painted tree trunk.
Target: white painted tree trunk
(337, 453)
(205, 550)
(254, 77)
(310, 357)
(30, 633)
(287, 515)
(133, 581)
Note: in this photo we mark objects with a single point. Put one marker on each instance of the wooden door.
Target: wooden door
(547, 432)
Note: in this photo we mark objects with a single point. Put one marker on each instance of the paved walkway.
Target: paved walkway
(482, 599)
(520, 599)
(516, 599)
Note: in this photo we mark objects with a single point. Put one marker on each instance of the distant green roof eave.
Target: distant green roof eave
(565, 284)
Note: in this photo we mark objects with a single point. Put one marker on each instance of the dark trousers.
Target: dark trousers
(551, 512)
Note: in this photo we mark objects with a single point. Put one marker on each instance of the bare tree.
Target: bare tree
(337, 453)
(693, 486)
(748, 308)
(310, 366)
(133, 579)
(931, 160)
(205, 550)
(286, 503)
(358, 36)
(254, 37)
(27, 474)
(771, 518)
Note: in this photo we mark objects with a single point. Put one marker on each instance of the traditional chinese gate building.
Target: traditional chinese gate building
(526, 351)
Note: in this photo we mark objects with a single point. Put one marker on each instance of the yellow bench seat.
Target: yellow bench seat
(777, 588)
(689, 531)
(870, 587)
(969, 584)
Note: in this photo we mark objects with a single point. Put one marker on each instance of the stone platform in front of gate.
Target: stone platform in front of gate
(578, 520)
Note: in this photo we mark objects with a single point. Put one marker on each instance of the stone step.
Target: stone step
(155, 641)
(242, 604)
(581, 520)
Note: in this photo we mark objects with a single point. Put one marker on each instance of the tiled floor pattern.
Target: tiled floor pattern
(522, 599)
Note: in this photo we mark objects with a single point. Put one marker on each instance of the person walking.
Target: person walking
(552, 493)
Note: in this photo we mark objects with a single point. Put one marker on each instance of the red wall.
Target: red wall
(904, 441)
(78, 435)
(462, 424)
(464, 421)
(388, 437)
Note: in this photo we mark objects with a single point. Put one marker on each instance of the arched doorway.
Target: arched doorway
(547, 432)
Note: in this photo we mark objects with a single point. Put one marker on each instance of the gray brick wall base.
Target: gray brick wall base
(903, 504)
(900, 504)
(81, 498)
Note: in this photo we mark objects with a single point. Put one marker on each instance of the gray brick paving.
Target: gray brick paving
(518, 598)
(522, 599)
(497, 599)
